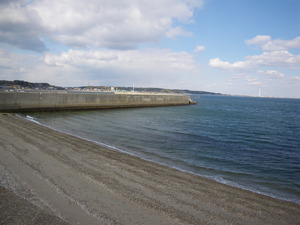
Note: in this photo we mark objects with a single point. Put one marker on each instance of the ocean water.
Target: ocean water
(251, 143)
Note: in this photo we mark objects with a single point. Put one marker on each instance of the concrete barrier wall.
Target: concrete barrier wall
(36, 101)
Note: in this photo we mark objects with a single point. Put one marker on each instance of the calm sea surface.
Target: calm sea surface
(252, 143)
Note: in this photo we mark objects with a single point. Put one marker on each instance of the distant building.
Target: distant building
(15, 87)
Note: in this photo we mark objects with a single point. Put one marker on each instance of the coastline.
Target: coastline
(81, 182)
(169, 165)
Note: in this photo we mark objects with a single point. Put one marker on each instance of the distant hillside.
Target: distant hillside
(19, 84)
(163, 90)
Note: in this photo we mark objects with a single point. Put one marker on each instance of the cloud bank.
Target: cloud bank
(122, 24)
(266, 69)
(99, 41)
(275, 54)
(148, 67)
(266, 43)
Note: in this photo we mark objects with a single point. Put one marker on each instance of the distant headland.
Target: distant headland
(20, 86)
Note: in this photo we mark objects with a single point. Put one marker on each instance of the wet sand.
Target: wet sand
(62, 179)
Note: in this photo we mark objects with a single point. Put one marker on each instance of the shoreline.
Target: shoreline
(210, 177)
(78, 181)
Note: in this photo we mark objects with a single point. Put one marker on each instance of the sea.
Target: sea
(246, 142)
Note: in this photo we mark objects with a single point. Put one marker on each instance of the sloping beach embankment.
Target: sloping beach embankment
(57, 178)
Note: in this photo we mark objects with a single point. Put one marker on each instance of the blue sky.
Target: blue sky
(230, 46)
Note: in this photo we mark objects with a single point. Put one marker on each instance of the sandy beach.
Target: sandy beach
(47, 177)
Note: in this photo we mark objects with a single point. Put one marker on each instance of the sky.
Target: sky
(237, 47)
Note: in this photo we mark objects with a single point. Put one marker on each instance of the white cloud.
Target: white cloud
(241, 65)
(277, 56)
(267, 44)
(259, 40)
(296, 78)
(240, 79)
(20, 27)
(93, 23)
(150, 67)
(256, 83)
(252, 81)
(272, 73)
(273, 58)
(16, 65)
(199, 48)
(130, 59)
(177, 31)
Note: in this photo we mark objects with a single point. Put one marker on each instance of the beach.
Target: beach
(63, 179)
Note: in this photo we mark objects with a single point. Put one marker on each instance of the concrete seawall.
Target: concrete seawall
(39, 101)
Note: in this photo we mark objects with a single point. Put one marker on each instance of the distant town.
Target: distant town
(25, 86)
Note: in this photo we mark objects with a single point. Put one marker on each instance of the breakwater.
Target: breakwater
(40, 101)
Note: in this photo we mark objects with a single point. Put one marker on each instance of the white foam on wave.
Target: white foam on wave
(30, 118)
(253, 189)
